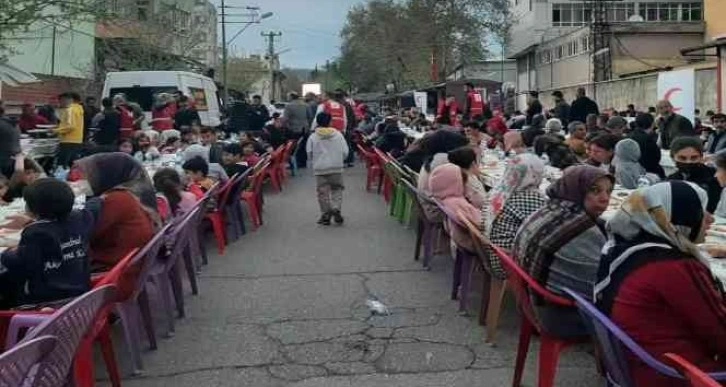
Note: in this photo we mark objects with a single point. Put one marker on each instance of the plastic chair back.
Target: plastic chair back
(144, 260)
(178, 234)
(695, 376)
(17, 364)
(416, 195)
(479, 242)
(69, 325)
(615, 344)
(113, 276)
(525, 286)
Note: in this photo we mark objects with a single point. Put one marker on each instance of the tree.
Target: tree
(243, 73)
(17, 16)
(390, 42)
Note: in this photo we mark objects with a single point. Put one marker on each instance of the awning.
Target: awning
(14, 76)
(714, 43)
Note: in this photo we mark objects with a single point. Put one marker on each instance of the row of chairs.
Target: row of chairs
(56, 349)
(390, 178)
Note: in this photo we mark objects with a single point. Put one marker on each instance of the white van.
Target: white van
(141, 86)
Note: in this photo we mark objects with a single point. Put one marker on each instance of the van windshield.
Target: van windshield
(144, 96)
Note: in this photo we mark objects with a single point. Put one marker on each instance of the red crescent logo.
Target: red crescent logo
(670, 93)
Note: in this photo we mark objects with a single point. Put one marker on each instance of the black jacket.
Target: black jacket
(581, 108)
(186, 117)
(649, 151)
(673, 127)
(259, 115)
(50, 263)
(9, 145)
(562, 111)
(109, 128)
(703, 176)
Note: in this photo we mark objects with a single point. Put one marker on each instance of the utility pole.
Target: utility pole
(327, 74)
(253, 17)
(52, 51)
(225, 92)
(271, 58)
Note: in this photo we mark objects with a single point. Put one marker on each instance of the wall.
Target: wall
(714, 11)
(74, 50)
(642, 91)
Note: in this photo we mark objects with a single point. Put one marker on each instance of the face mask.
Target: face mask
(687, 167)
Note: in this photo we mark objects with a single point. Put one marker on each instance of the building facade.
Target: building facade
(553, 40)
(492, 70)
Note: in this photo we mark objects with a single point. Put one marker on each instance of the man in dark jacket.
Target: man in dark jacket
(582, 106)
(90, 109)
(672, 125)
(296, 117)
(9, 145)
(717, 139)
(534, 106)
(186, 115)
(647, 140)
(259, 114)
(239, 115)
(562, 108)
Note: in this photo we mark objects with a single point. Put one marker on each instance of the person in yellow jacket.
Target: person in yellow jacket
(70, 128)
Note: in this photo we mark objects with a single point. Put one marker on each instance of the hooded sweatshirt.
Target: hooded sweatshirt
(328, 149)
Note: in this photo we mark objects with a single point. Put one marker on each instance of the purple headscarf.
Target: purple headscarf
(575, 182)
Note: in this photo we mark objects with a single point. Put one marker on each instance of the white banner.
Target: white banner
(421, 99)
(679, 87)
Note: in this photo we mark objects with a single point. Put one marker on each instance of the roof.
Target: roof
(13, 76)
(714, 43)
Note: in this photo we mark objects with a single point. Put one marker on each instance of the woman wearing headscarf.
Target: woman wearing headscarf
(216, 171)
(447, 184)
(128, 212)
(515, 198)
(559, 245)
(625, 162)
(655, 284)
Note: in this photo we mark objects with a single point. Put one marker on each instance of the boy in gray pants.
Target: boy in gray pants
(328, 149)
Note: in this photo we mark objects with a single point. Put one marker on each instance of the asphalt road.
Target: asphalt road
(286, 307)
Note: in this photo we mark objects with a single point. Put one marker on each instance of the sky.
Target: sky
(310, 29)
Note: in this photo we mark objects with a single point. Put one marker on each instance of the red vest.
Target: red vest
(337, 114)
(127, 117)
(167, 121)
(476, 104)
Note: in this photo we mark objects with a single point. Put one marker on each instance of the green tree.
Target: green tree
(390, 42)
(17, 16)
(244, 72)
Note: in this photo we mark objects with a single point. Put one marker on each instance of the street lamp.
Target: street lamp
(255, 18)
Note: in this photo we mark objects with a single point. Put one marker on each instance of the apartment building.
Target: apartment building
(552, 40)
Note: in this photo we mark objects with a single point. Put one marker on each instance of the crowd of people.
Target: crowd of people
(641, 263)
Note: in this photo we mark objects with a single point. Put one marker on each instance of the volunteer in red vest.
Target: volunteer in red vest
(336, 108)
(474, 108)
(161, 115)
(450, 108)
(127, 115)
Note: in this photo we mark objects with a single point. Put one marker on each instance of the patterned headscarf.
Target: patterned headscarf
(666, 216)
(119, 171)
(523, 172)
(652, 210)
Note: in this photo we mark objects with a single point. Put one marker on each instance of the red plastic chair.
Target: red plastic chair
(387, 181)
(99, 331)
(551, 347)
(273, 172)
(373, 167)
(695, 376)
(253, 196)
(216, 216)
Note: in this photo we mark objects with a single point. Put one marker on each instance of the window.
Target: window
(144, 96)
(663, 12)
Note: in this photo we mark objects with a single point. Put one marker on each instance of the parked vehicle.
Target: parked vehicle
(141, 87)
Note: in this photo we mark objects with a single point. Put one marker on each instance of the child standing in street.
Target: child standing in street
(328, 149)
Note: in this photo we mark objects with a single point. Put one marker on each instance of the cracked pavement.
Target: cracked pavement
(286, 307)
